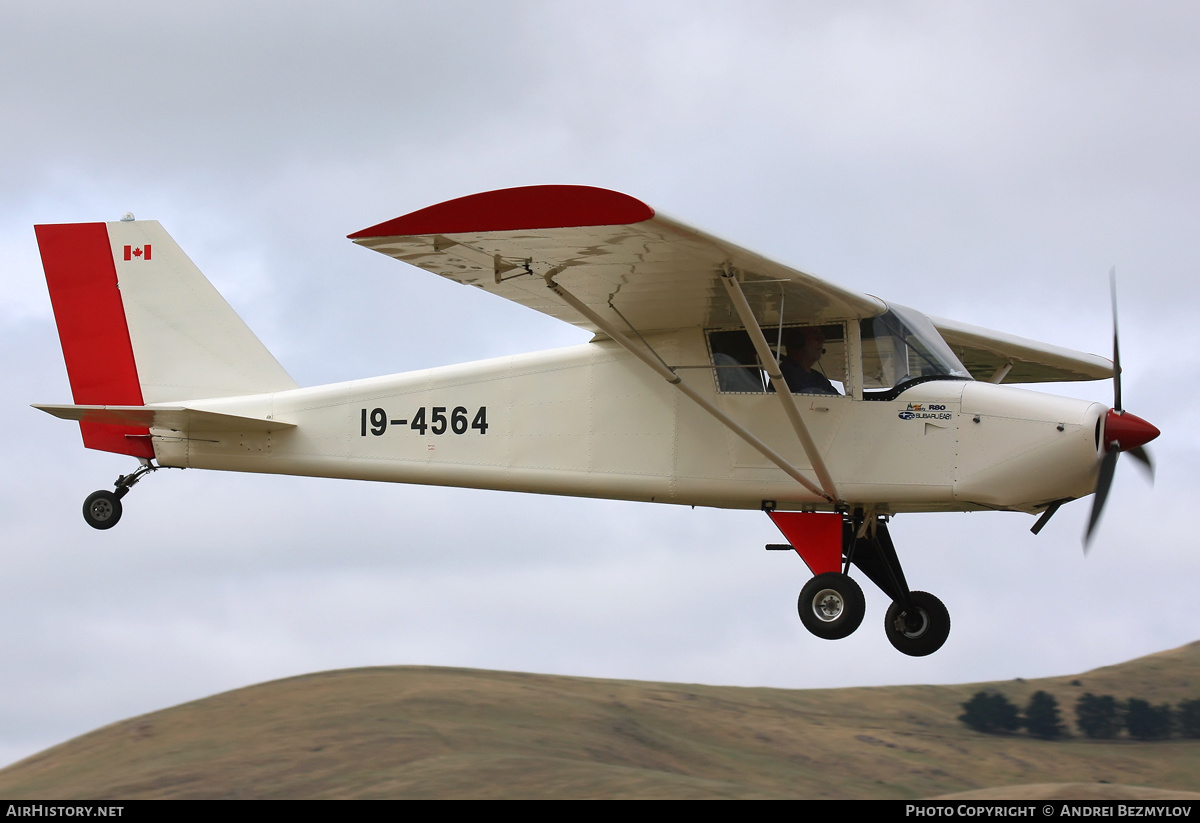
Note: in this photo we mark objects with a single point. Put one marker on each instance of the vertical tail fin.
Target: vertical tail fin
(140, 324)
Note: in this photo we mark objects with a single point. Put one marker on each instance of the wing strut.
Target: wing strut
(999, 374)
(782, 390)
(676, 381)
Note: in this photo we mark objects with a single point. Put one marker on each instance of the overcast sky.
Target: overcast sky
(981, 161)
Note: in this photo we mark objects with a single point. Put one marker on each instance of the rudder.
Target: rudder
(82, 279)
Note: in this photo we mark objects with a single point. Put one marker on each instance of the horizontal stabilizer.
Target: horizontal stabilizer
(172, 418)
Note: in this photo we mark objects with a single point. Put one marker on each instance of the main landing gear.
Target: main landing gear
(102, 509)
(832, 605)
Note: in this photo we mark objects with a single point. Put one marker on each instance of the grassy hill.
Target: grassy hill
(434, 732)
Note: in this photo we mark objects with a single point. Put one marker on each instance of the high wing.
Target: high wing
(631, 265)
(637, 268)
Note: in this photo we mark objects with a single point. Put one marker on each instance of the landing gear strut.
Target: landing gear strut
(832, 605)
(102, 509)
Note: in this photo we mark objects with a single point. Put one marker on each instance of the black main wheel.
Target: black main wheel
(102, 509)
(921, 632)
(831, 606)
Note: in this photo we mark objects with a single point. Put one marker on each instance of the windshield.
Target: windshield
(901, 346)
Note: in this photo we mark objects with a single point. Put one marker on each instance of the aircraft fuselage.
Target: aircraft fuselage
(591, 421)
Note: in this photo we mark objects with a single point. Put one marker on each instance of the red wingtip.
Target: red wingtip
(523, 208)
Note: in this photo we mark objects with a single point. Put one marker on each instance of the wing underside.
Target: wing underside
(987, 353)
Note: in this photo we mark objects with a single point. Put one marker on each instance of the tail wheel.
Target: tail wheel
(102, 509)
(831, 606)
(921, 630)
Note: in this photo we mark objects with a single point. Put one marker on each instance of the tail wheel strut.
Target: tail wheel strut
(102, 509)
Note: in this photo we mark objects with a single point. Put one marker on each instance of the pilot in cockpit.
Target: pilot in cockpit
(803, 347)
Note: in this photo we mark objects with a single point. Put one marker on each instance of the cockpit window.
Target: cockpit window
(737, 367)
(901, 346)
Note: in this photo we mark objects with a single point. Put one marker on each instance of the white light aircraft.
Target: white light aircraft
(715, 377)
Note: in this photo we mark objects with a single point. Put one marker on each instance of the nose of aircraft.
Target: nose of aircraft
(1127, 431)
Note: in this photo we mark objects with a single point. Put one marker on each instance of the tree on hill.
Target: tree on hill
(1188, 713)
(1098, 717)
(990, 713)
(1042, 718)
(1146, 722)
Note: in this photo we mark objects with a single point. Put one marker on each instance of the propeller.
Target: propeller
(1123, 432)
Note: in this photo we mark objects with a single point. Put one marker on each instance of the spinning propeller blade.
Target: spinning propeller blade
(1123, 432)
(1107, 468)
(1142, 456)
(1112, 287)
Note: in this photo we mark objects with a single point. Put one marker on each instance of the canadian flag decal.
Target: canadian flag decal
(137, 252)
